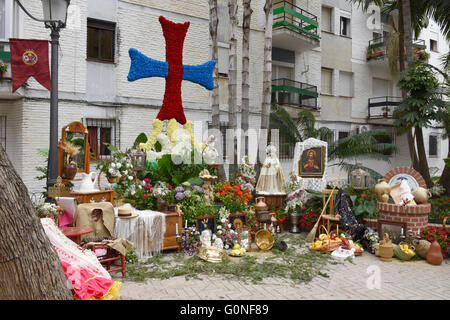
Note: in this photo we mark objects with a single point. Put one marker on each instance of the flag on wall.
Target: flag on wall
(29, 58)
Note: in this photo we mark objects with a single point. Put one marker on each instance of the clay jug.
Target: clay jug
(434, 255)
(382, 188)
(386, 249)
(421, 195)
(422, 247)
(260, 204)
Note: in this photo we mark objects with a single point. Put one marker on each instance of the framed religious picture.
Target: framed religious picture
(312, 163)
(237, 220)
(394, 229)
(207, 221)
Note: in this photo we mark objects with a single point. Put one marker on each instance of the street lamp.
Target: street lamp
(55, 17)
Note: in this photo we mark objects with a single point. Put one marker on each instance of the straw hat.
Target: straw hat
(126, 213)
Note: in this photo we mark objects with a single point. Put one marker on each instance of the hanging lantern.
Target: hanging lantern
(138, 158)
(359, 178)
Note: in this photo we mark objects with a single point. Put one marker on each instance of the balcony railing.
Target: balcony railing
(382, 107)
(378, 47)
(287, 15)
(294, 93)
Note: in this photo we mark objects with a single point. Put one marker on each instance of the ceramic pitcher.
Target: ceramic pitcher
(382, 188)
(421, 195)
(87, 185)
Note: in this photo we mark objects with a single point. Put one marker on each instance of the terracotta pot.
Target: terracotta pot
(382, 188)
(434, 255)
(261, 204)
(70, 170)
(421, 195)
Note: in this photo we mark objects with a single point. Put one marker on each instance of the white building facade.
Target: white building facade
(319, 63)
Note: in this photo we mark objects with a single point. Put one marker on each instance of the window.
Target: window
(327, 81)
(100, 40)
(433, 45)
(326, 19)
(3, 131)
(223, 63)
(345, 84)
(345, 26)
(433, 145)
(102, 131)
(6, 22)
(343, 134)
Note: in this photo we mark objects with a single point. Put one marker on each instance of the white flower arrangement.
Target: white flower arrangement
(45, 209)
(247, 174)
(297, 195)
(223, 214)
(160, 190)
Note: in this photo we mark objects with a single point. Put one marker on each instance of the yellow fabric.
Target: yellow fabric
(157, 129)
(112, 294)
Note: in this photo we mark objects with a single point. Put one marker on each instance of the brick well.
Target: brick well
(415, 216)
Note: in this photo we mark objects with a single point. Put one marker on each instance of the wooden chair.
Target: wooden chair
(329, 216)
(108, 259)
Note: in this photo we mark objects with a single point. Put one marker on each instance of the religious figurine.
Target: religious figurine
(208, 188)
(205, 237)
(405, 193)
(271, 179)
(210, 153)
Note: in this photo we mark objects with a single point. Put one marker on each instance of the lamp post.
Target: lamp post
(55, 17)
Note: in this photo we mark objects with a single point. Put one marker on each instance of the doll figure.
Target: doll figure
(271, 179)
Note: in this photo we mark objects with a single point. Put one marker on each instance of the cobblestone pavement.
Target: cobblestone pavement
(357, 280)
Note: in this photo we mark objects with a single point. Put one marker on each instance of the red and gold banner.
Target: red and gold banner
(29, 57)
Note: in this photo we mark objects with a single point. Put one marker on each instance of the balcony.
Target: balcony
(294, 28)
(383, 107)
(377, 51)
(5, 56)
(294, 93)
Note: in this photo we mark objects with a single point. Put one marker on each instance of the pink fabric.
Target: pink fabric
(69, 208)
(85, 284)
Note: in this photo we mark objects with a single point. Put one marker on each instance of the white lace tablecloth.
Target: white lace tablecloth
(145, 231)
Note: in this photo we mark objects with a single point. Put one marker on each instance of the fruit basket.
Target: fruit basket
(325, 243)
(404, 251)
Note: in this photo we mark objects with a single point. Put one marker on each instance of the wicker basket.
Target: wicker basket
(330, 245)
(399, 253)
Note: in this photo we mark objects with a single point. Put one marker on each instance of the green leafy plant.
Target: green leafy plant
(364, 205)
(3, 66)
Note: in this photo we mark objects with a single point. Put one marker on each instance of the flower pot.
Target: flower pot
(70, 170)
(113, 180)
(161, 205)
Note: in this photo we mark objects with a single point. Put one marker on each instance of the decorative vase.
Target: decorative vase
(434, 255)
(171, 207)
(382, 188)
(161, 205)
(261, 204)
(70, 170)
(421, 195)
(262, 211)
(294, 218)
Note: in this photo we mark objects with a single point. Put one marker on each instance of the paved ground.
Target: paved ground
(397, 280)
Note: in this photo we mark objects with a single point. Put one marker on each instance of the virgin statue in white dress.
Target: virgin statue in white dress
(271, 180)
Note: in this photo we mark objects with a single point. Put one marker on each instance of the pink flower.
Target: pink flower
(148, 187)
(146, 180)
(145, 195)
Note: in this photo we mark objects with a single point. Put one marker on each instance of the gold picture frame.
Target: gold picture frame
(312, 163)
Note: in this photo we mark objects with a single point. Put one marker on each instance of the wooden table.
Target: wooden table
(75, 233)
(96, 196)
